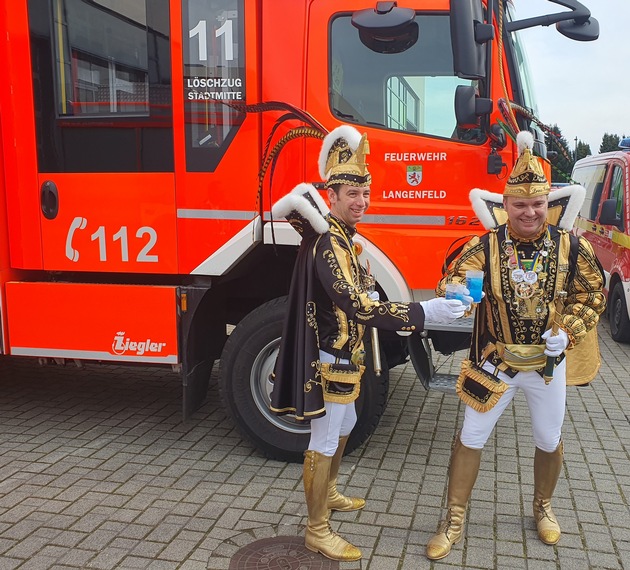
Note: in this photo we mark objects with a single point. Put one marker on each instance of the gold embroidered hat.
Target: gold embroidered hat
(527, 179)
(342, 158)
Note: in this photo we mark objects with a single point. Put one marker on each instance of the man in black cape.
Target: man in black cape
(318, 373)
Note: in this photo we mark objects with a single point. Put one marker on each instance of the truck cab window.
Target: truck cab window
(214, 78)
(106, 88)
(616, 189)
(102, 70)
(102, 81)
(411, 91)
(592, 178)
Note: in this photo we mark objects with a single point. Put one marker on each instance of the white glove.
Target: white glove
(556, 344)
(374, 295)
(441, 310)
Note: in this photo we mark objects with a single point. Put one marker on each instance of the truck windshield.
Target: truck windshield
(412, 91)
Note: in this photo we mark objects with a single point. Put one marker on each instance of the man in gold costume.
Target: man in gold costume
(528, 264)
(318, 373)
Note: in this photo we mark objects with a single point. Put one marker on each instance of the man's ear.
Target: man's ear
(332, 196)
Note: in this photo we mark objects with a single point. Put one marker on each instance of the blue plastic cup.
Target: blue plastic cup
(454, 291)
(474, 284)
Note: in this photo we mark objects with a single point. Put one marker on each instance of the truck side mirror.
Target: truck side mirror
(576, 24)
(387, 28)
(469, 35)
(582, 32)
(469, 107)
(608, 216)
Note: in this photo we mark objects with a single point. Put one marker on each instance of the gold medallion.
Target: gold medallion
(525, 290)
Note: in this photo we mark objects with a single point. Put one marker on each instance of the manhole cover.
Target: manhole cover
(280, 553)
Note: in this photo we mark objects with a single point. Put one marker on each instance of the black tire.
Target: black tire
(246, 362)
(618, 315)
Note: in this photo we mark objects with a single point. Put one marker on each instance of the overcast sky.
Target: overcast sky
(583, 87)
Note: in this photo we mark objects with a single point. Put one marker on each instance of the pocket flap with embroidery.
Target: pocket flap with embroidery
(478, 388)
(345, 373)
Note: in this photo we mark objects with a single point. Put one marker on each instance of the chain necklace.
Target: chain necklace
(528, 276)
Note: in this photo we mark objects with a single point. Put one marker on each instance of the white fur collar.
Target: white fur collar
(301, 200)
(564, 206)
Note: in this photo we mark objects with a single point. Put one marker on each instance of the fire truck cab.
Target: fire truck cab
(141, 155)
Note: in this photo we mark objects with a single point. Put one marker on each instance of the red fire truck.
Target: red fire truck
(141, 156)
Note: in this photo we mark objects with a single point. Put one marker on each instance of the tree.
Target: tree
(562, 165)
(583, 149)
(609, 143)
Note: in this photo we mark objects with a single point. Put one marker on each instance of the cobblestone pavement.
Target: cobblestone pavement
(97, 471)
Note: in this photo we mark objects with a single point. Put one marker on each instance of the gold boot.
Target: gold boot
(547, 467)
(337, 501)
(319, 536)
(461, 480)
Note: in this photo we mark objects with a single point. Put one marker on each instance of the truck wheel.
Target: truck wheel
(247, 361)
(618, 315)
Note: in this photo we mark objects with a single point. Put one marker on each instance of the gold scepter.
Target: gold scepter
(551, 360)
(376, 345)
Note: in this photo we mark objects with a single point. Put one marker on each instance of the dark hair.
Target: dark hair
(335, 187)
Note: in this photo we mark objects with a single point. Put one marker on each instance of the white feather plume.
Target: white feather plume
(344, 131)
(524, 139)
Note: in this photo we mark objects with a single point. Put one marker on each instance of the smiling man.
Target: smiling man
(527, 262)
(320, 364)
(348, 203)
(527, 215)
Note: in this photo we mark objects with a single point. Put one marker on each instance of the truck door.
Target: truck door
(609, 249)
(92, 117)
(120, 134)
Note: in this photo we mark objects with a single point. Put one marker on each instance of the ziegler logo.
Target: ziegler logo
(121, 345)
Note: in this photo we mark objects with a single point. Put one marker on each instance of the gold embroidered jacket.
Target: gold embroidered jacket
(329, 308)
(344, 306)
(522, 279)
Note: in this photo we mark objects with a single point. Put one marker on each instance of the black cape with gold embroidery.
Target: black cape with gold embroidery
(296, 365)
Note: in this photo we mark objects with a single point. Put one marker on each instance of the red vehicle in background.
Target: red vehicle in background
(141, 156)
(604, 221)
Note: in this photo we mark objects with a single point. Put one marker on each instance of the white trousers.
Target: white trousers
(338, 421)
(546, 403)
